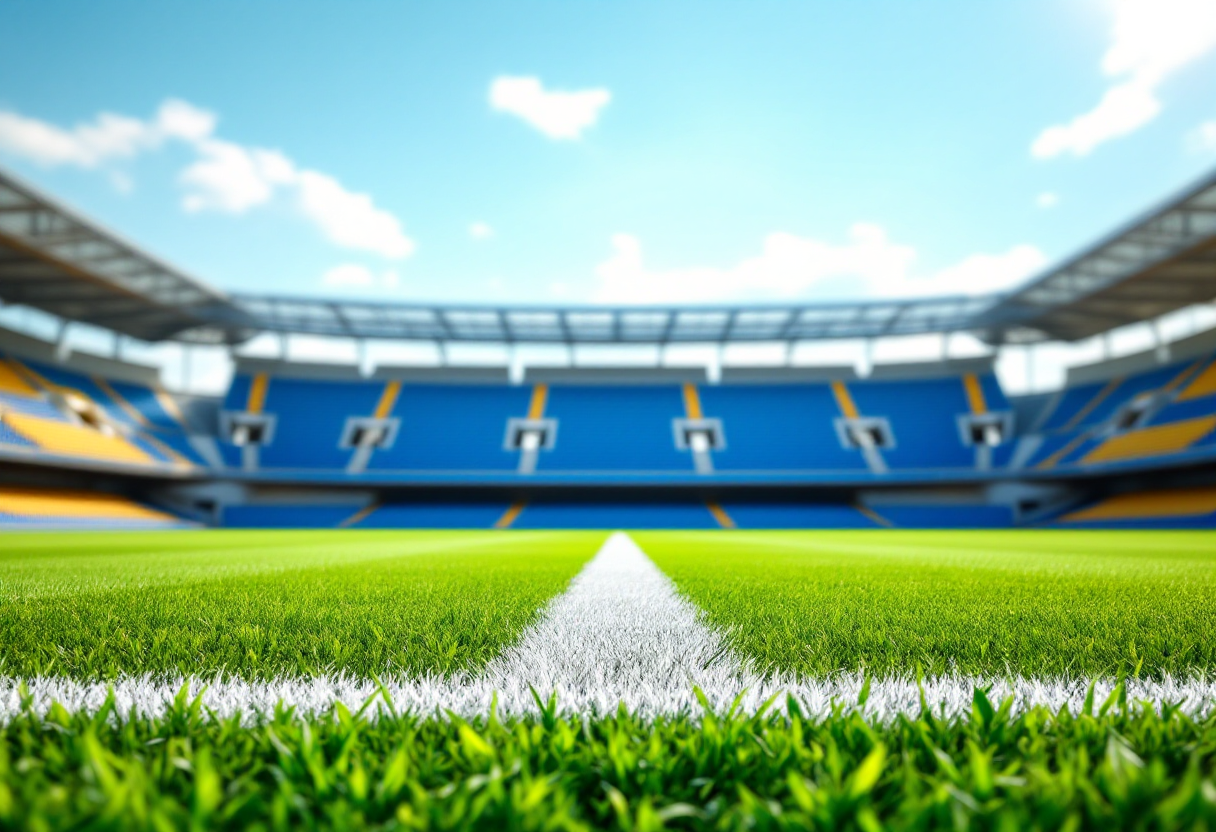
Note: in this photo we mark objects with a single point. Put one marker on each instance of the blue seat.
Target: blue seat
(615, 429)
(924, 420)
(798, 516)
(778, 427)
(309, 419)
(434, 516)
(948, 517)
(286, 517)
(551, 515)
(452, 427)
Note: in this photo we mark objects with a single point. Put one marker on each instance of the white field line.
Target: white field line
(620, 634)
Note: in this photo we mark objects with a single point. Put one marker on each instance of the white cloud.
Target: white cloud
(350, 219)
(107, 138)
(559, 115)
(358, 276)
(1151, 39)
(1203, 138)
(481, 231)
(182, 120)
(791, 267)
(348, 275)
(231, 178)
(226, 176)
(87, 145)
(983, 273)
(1047, 199)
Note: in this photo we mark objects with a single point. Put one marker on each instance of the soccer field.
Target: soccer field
(588, 680)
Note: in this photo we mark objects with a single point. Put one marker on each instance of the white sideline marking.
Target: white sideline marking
(620, 634)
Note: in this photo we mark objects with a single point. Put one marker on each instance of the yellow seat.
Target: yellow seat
(1203, 385)
(36, 502)
(1152, 441)
(11, 381)
(1176, 502)
(73, 440)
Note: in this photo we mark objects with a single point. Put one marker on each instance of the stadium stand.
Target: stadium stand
(612, 429)
(1161, 412)
(802, 516)
(947, 516)
(286, 516)
(936, 444)
(1169, 508)
(432, 515)
(28, 508)
(617, 428)
(628, 513)
(454, 427)
(776, 426)
(617, 515)
(67, 414)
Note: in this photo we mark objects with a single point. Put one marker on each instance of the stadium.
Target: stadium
(289, 540)
(669, 454)
(96, 441)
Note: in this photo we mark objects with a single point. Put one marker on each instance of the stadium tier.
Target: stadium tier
(826, 431)
(45, 508)
(1129, 440)
(50, 413)
(627, 513)
(1179, 508)
(863, 436)
(1168, 412)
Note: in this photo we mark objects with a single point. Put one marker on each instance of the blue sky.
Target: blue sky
(623, 152)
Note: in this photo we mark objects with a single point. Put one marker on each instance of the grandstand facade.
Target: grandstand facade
(92, 440)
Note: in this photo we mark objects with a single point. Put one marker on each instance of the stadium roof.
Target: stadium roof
(1162, 261)
(54, 260)
(600, 325)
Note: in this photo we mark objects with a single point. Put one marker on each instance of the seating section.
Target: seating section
(67, 439)
(639, 515)
(846, 516)
(923, 419)
(1171, 508)
(947, 516)
(624, 514)
(624, 432)
(30, 508)
(434, 516)
(1154, 415)
(801, 516)
(1152, 441)
(449, 427)
(287, 516)
(477, 515)
(60, 412)
(422, 515)
(779, 427)
(17, 393)
(615, 428)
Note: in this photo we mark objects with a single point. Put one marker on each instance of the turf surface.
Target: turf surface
(1119, 766)
(260, 604)
(1029, 602)
(263, 604)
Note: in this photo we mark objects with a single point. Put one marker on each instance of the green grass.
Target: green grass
(261, 604)
(1115, 767)
(1031, 602)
